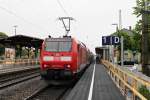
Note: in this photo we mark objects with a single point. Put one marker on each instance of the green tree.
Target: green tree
(138, 27)
(127, 43)
(132, 43)
(3, 35)
(137, 40)
(145, 92)
(140, 5)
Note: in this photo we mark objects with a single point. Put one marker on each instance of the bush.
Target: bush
(145, 92)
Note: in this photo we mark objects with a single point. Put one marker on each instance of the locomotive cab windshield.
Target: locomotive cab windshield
(58, 44)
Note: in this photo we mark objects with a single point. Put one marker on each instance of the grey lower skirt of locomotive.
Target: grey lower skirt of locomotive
(61, 75)
(58, 76)
(52, 74)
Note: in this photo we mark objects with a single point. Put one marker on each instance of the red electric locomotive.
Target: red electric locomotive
(63, 57)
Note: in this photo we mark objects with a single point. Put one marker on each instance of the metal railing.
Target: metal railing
(127, 82)
(19, 62)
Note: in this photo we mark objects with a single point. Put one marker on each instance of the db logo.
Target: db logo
(56, 58)
(57, 54)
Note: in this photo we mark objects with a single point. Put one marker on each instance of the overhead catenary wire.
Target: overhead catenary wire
(63, 9)
(21, 18)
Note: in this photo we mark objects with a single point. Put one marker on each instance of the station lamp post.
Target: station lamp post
(114, 53)
(122, 44)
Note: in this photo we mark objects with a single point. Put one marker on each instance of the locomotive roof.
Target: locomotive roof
(59, 39)
(82, 44)
(69, 39)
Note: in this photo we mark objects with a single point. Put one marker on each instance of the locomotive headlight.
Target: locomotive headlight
(66, 58)
(48, 58)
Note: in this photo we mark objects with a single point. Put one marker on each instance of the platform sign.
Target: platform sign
(110, 40)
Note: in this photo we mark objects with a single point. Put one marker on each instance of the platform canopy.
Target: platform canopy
(21, 40)
(99, 50)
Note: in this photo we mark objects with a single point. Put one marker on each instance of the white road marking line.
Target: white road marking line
(92, 84)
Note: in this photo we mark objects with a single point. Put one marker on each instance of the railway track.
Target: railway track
(27, 85)
(50, 92)
(8, 79)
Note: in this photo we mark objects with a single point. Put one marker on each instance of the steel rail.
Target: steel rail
(18, 80)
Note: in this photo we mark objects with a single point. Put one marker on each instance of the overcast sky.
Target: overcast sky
(93, 18)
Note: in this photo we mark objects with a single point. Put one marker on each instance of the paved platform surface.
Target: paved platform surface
(103, 86)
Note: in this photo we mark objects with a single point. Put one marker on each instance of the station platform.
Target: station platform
(102, 87)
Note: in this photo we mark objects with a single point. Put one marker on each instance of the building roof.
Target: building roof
(21, 40)
(99, 50)
(128, 31)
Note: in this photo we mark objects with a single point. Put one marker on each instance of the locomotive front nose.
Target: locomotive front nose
(57, 62)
